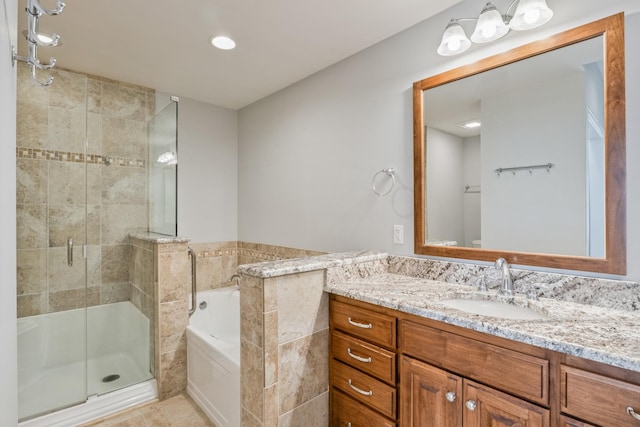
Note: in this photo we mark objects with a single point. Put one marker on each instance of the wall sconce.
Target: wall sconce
(35, 38)
(492, 25)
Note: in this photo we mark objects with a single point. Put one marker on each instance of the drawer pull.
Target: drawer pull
(633, 413)
(451, 396)
(471, 405)
(360, 325)
(361, 391)
(358, 358)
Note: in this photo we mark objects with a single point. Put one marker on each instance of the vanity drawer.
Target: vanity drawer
(375, 327)
(364, 388)
(347, 412)
(507, 370)
(598, 398)
(367, 357)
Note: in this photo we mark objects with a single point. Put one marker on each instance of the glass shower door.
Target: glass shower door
(51, 234)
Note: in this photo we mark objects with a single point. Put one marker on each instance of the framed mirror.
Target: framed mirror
(540, 180)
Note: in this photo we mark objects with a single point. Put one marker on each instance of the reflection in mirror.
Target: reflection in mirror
(521, 155)
(547, 109)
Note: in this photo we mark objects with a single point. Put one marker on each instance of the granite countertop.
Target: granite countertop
(601, 334)
(301, 265)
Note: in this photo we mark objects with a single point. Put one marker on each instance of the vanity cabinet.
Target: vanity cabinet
(597, 398)
(434, 397)
(390, 368)
(363, 364)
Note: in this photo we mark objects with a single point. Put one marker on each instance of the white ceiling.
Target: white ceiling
(164, 45)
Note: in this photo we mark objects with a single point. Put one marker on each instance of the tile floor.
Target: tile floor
(179, 411)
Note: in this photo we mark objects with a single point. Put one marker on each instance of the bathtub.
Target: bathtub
(213, 355)
(57, 368)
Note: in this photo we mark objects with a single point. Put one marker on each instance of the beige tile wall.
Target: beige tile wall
(216, 263)
(52, 126)
(284, 350)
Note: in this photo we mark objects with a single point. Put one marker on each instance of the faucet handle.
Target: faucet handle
(482, 283)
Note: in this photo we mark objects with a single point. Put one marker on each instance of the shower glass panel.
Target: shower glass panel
(85, 328)
(52, 229)
(163, 163)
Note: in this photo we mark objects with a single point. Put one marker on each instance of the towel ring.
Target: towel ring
(389, 172)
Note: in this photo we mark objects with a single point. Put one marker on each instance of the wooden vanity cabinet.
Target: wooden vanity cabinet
(434, 397)
(569, 422)
(598, 398)
(390, 368)
(363, 373)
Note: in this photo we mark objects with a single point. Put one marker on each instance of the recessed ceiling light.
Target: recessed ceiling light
(471, 124)
(222, 42)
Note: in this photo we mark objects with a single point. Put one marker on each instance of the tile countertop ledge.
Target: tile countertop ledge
(599, 334)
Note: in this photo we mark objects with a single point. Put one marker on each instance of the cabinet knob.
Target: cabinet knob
(633, 413)
(471, 405)
(451, 396)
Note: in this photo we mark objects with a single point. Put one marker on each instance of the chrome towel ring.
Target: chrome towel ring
(390, 172)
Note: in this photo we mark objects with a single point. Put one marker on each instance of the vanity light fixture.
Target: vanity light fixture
(492, 25)
(222, 42)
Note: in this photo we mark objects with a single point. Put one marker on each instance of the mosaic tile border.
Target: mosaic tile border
(65, 156)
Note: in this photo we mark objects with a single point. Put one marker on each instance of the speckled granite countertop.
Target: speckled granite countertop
(301, 265)
(601, 334)
(596, 319)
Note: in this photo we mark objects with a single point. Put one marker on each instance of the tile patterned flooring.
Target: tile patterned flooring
(178, 411)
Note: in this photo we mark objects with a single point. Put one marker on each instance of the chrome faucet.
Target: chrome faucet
(507, 281)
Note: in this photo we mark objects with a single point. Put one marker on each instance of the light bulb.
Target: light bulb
(454, 44)
(488, 31)
(531, 16)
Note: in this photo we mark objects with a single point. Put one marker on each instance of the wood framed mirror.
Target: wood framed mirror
(523, 174)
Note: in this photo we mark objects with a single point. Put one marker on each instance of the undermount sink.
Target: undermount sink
(493, 309)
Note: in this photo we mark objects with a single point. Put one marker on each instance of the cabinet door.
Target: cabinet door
(429, 397)
(484, 407)
(569, 422)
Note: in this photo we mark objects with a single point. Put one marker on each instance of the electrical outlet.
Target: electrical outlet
(398, 234)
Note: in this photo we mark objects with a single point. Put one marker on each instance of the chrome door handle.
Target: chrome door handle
(361, 391)
(451, 396)
(360, 325)
(70, 252)
(358, 358)
(633, 413)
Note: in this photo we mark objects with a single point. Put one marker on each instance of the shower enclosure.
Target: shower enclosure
(85, 319)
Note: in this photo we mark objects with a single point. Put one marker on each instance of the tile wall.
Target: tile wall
(53, 202)
(284, 347)
(215, 263)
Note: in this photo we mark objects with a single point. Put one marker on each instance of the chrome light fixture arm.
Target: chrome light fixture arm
(34, 38)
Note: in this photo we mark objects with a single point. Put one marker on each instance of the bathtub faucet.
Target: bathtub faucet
(236, 278)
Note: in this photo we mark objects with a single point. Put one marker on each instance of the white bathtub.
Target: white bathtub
(213, 355)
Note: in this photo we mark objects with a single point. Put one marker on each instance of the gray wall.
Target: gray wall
(8, 355)
(308, 153)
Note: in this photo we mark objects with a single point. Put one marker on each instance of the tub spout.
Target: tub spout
(235, 278)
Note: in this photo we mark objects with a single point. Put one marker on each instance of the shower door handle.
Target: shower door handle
(70, 252)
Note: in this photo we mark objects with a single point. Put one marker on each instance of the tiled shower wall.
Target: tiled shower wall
(53, 124)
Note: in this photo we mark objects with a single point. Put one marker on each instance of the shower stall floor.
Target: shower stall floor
(62, 386)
